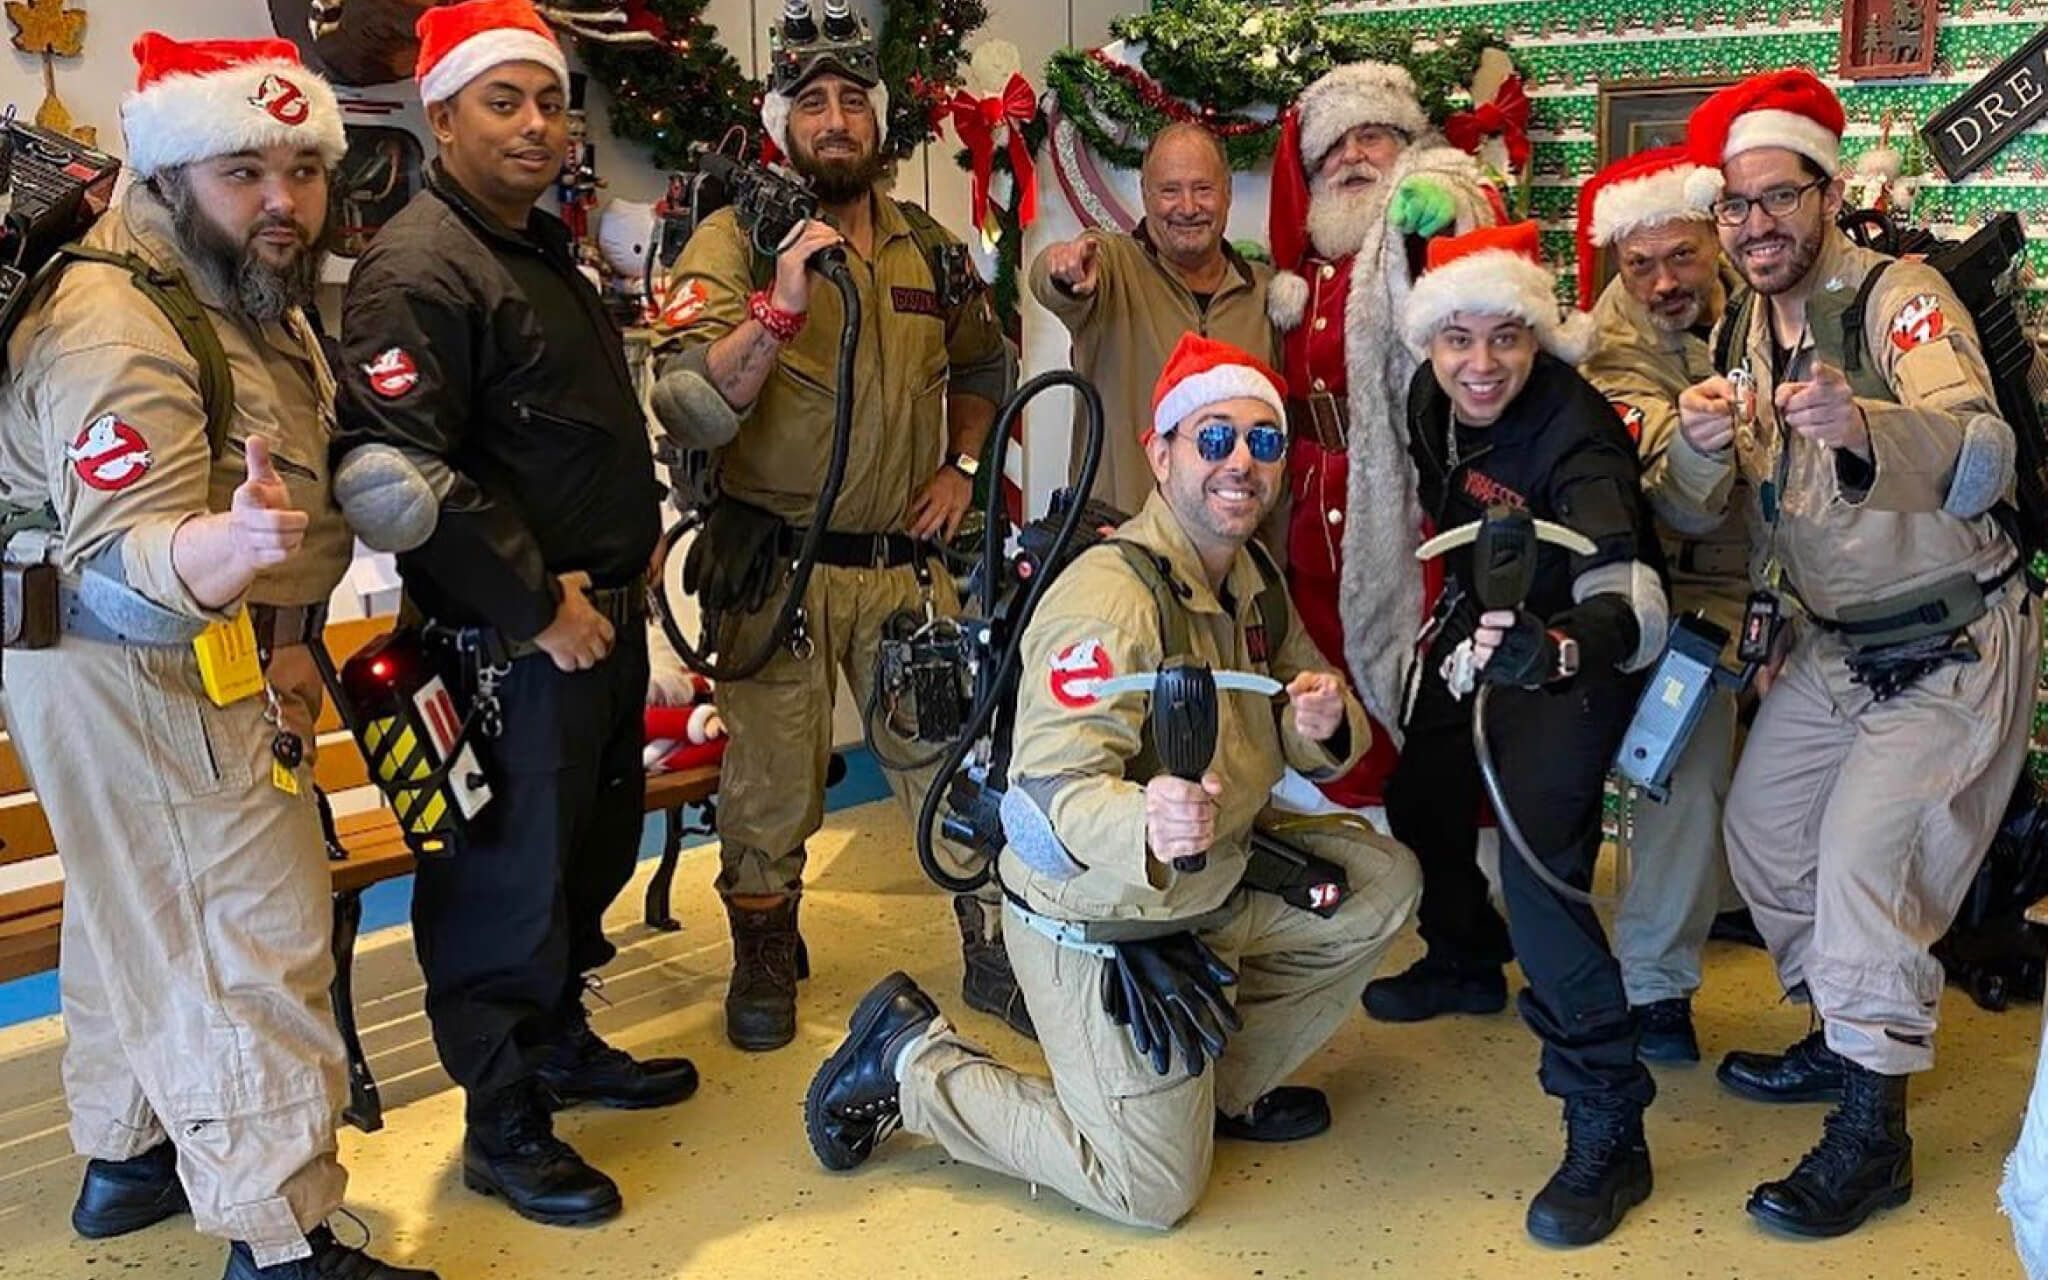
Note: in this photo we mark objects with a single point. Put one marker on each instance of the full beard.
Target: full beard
(838, 181)
(1339, 221)
(237, 271)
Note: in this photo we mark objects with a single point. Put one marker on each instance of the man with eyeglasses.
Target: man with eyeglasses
(1137, 966)
(1858, 403)
(1653, 319)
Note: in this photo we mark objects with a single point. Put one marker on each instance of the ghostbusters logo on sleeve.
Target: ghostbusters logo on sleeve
(1076, 670)
(1919, 322)
(109, 455)
(1632, 419)
(282, 100)
(685, 306)
(392, 373)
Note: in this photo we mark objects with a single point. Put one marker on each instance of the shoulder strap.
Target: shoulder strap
(1736, 321)
(1272, 603)
(926, 234)
(1173, 620)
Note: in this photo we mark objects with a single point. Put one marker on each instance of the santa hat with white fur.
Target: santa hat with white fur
(1634, 193)
(459, 42)
(1494, 271)
(197, 99)
(1789, 109)
(1202, 371)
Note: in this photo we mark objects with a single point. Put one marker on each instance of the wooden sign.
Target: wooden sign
(1887, 39)
(1991, 113)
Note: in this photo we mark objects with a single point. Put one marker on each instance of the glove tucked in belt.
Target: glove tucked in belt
(1169, 991)
(736, 559)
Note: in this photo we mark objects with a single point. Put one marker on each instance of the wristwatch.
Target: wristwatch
(966, 464)
(1567, 655)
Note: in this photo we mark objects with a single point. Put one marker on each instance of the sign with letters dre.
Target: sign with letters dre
(1992, 112)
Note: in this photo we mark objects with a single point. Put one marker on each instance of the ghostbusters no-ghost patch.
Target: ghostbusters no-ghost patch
(687, 304)
(109, 455)
(1919, 322)
(1076, 670)
(283, 100)
(392, 373)
(1631, 418)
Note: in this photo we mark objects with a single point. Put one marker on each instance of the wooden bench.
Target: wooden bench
(364, 849)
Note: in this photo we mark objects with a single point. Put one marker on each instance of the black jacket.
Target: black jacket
(489, 349)
(1559, 451)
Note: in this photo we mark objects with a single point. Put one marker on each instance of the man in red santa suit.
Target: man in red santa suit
(1360, 182)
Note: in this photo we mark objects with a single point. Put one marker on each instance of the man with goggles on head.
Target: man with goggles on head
(1138, 968)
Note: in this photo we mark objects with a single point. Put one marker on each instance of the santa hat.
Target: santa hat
(1360, 93)
(1789, 109)
(1494, 271)
(196, 99)
(1644, 190)
(459, 42)
(1202, 371)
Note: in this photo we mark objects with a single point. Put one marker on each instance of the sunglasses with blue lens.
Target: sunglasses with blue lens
(1216, 441)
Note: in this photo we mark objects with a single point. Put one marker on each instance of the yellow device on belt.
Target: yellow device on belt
(227, 660)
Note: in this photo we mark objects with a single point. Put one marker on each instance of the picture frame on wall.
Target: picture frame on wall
(1888, 39)
(1637, 115)
(379, 175)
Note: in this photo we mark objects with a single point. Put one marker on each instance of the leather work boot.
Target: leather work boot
(1287, 1114)
(1430, 987)
(1809, 1071)
(1667, 1031)
(988, 984)
(768, 957)
(1606, 1172)
(1864, 1163)
(851, 1105)
(330, 1260)
(581, 1067)
(119, 1196)
(510, 1149)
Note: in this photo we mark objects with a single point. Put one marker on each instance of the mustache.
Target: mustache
(273, 222)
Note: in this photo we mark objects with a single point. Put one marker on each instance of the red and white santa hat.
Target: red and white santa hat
(1789, 109)
(196, 99)
(1202, 371)
(1494, 271)
(459, 42)
(1634, 193)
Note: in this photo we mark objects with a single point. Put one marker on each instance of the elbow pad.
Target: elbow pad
(1984, 467)
(1636, 583)
(391, 496)
(691, 411)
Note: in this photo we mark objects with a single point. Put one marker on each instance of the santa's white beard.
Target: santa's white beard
(1338, 221)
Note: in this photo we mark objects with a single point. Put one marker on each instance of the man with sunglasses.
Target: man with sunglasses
(1856, 399)
(1107, 919)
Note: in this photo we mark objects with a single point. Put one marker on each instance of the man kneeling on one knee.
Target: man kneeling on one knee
(1141, 971)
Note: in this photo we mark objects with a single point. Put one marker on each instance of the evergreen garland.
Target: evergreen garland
(686, 89)
(920, 54)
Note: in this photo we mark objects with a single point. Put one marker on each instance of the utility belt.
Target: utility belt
(1322, 417)
(622, 606)
(1896, 642)
(857, 550)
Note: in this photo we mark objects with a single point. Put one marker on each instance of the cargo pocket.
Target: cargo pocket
(201, 750)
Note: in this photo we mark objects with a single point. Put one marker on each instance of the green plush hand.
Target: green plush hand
(1422, 206)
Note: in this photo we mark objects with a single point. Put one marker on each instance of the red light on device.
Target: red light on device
(380, 668)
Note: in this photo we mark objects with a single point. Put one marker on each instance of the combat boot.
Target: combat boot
(119, 1196)
(509, 1149)
(1431, 987)
(581, 1067)
(1606, 1172)
(768, 957)
(1667, 1033)
(330, 1260)
(853, 1102)
(1864, 1163)
(1808, 1071)
(988, 984)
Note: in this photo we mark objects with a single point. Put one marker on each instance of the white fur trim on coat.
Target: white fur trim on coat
(1495, 283)
(1639, 203)
(775, 108)
(183, 118)
(1213, 386)
(1286, 300)
(1787, 129)
(487, 49)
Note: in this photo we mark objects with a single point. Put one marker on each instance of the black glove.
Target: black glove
(736, 559)
(1169, 991)
(1527, 656)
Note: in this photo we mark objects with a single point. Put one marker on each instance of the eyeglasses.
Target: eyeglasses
(1216, 441)
(1777, 202)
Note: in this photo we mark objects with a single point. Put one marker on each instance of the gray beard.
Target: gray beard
(1339, 223)
(259, 291)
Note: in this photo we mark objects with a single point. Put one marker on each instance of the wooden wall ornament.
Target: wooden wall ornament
(1989, 114)
(50, 31)
(1888, 39)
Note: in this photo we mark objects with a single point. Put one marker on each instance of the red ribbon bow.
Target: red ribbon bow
(1506, 117)
(976, 120)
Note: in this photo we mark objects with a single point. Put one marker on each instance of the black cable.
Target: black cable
(994, 538)
(1509, 828)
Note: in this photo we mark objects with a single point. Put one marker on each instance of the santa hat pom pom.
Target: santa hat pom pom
(1287, 300)
(1704, 185)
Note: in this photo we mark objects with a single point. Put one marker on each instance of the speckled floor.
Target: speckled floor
(1441, 1134)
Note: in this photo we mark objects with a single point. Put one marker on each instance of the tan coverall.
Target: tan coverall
(772, 794)
(197, 915)
(1124, 331)
(1854, 827)
(1677, 867)
(1106, 1131)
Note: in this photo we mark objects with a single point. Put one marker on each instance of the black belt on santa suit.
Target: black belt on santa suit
(1322, 417)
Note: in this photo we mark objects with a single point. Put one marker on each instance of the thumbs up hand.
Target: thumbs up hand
(264, 528)
(1824, 410)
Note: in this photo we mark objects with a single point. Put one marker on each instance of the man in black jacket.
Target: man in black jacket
(472, 344)
(1498, 418)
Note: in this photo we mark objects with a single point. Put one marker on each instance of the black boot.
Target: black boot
(581, 1067)
(1736, 926)
(1287, 1114)
(851, 1104)
(1864, 1163)
(330, 1260)
(768, 957)
(1606, 1172)
(1809, 1071)
(1667, 1032)
(988, 984)
(119, 1196)
(1431, 987)
(510, 1150)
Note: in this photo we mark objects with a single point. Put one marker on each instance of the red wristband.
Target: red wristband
(783, 326)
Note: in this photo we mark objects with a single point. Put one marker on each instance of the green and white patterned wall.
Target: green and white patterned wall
(1566, 48)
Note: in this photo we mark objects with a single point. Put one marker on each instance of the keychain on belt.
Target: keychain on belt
(287, 749)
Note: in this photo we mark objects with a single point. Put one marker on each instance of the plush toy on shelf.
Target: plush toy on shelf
(682, 727)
